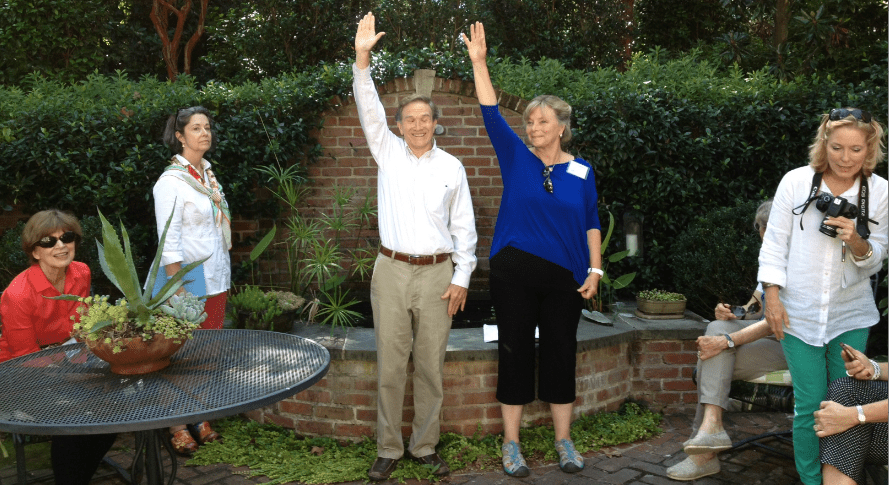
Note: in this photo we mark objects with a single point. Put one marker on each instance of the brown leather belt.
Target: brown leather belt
(417, 259)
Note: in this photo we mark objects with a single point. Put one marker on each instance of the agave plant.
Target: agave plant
(145, 313)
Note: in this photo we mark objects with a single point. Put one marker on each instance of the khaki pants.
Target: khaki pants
(409, 318)
(744, 362)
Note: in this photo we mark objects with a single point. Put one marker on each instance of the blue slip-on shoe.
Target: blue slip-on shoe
(570, 460)
(513, 462)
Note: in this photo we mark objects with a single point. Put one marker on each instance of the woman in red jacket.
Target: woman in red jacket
(32, 322)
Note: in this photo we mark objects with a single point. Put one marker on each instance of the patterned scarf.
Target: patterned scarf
(221, 214)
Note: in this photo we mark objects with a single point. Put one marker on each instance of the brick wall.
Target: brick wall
(346, 159)
(343, 404)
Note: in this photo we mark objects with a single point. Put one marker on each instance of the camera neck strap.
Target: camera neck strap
(863, 196)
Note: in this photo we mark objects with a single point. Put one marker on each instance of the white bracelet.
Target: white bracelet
(876, 370)
(595, 270)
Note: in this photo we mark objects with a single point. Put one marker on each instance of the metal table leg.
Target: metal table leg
(148, 457)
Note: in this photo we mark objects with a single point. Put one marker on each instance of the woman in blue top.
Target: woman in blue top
(546, 244)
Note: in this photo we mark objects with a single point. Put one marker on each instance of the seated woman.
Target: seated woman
(732, 348)
(32, 322)
(852, 423)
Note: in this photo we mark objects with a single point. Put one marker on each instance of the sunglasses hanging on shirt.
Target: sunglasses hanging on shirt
(547, 181)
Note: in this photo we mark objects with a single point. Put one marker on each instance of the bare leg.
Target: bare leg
(702, 458)
(833, 476)
(512, 421)
(562, 420)
(712, 422)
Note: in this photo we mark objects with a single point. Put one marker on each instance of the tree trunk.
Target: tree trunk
(782, 20)
(160, 17)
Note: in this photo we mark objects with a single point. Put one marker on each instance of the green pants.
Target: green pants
(812, 369)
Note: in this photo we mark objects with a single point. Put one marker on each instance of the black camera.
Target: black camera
(834, 207)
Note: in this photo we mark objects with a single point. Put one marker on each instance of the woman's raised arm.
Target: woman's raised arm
(478, 52)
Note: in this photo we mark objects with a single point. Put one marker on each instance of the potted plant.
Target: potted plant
(318, 260)
(608, 287)
(138, 333)
(255, 309)
(660, 304)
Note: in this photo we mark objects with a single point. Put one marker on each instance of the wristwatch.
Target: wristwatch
(861, 418)
(731, 343)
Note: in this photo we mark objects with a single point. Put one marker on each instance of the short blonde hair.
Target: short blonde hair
(43, 224)
(873, 131)
(560, 107)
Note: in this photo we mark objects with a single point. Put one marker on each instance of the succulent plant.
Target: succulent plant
(660, 295)
(142, 308)
(185, 307)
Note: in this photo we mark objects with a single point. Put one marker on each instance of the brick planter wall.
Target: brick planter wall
(610, 370)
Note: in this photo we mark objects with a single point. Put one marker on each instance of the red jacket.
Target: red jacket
(30, 320)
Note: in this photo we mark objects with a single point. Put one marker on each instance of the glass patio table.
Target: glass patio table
(68, 391)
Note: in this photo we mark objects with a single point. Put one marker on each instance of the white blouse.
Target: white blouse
(823, 296)
(193, 234)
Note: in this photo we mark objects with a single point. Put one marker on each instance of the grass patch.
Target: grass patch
(278, 453)
(36, 454)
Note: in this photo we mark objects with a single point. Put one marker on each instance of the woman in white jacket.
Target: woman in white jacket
(200, 228)
(827, 234)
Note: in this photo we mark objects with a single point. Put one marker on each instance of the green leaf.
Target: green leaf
(263, 244)
(623, 281)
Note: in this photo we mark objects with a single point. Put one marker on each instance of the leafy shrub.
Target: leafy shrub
(716, 258)
(669, 139)
(12, 259)
(97, 144)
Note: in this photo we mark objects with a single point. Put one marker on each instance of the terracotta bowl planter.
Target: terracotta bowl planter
(139, 356)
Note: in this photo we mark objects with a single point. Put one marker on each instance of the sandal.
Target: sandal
(204, 433)
(183, 443)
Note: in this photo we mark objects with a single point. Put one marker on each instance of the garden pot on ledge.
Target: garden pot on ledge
(660, 310)
(139, 356)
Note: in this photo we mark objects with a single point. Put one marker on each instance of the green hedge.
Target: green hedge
(669, 140)
(97, 144)
(675, 140)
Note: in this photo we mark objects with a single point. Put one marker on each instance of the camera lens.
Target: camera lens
(823, 202)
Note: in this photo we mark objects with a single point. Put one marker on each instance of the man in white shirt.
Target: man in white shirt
(426, 220)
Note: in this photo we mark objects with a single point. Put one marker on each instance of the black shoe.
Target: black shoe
(433, 460)
(382, 469)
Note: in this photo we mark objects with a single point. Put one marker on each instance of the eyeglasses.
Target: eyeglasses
(50, 241)
(547, 182)
(843, 113)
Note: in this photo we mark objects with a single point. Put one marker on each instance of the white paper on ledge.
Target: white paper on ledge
(490, 333)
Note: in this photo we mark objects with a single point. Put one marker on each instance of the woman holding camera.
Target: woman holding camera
(816, 262)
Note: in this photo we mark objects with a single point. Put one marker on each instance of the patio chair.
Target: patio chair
(774, 392)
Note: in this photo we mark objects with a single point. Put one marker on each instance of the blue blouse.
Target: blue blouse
(551, 226)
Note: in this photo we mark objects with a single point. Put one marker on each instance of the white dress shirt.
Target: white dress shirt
(424, 203)
(193, 234)
(822, 295)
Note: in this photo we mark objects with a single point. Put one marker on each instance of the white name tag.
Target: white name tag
(578, 170)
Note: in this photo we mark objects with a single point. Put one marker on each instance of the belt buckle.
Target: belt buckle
(411, 257)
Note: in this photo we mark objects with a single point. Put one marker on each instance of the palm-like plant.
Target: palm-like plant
(142, 307)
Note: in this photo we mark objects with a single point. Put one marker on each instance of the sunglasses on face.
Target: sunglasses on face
(547, 182)
(50, 241)
(843, 113)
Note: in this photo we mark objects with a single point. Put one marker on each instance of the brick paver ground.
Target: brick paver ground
(644, 462)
